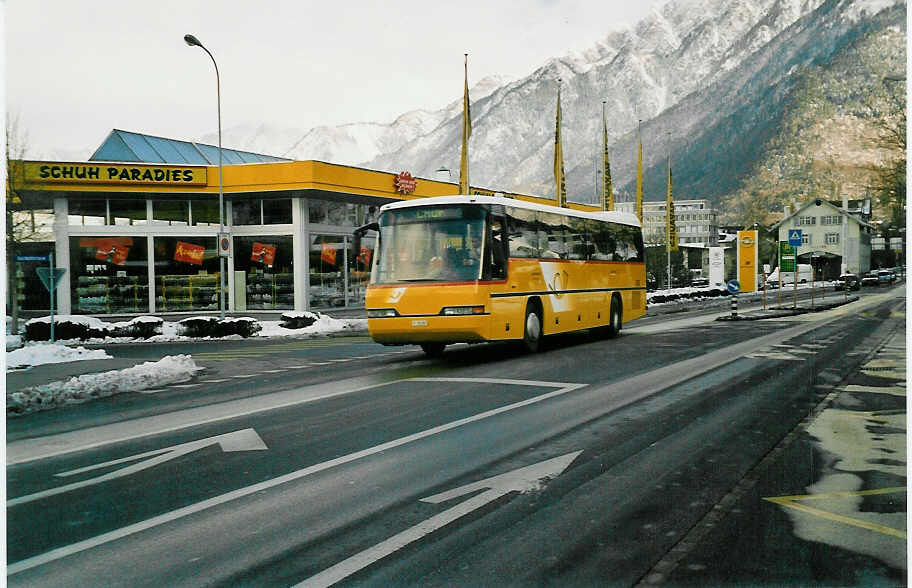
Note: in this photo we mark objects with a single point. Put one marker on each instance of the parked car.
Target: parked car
(848, 282)
(870, 279)
(885, 277)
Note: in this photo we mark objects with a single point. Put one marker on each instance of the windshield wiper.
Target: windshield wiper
(419, 280)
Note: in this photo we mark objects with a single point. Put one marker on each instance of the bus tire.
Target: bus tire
(615, 320)
(532, 327)
(433, 349)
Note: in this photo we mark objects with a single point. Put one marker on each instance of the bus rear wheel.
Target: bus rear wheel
(532, 331)
(433, 349)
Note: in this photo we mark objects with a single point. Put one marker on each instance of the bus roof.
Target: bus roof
(613, 216)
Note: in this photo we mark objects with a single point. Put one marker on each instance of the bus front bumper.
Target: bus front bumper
(414, 330)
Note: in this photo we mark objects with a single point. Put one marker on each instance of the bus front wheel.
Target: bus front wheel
(433, 349)
(532, 332)
(614, 323)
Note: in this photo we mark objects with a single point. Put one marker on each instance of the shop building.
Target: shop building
(136, 227)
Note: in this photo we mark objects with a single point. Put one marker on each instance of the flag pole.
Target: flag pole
(639, 185)
(464, 187)
(559, 179)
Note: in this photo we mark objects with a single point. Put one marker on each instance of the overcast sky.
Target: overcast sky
(75, 70)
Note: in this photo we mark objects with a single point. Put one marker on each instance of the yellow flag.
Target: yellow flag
(466, 133)
(559, 157)
(671, 230)
(639, 194)
(607, 196)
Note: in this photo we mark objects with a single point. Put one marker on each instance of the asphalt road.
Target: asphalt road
(338, 460)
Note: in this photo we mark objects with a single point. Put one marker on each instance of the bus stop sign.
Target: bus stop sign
(44, 274)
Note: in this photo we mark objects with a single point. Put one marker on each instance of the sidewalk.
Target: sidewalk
(827, 506)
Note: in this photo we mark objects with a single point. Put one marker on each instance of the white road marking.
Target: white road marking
(243, 440)
(244, 376)
(213, 381)
(185, 385)
(61, 552)
(272, 371)
(519, 480)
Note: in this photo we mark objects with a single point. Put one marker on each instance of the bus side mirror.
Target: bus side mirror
(359, 232)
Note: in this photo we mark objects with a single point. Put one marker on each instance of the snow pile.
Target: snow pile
(169, 370)
(50, 353)
(321, 325)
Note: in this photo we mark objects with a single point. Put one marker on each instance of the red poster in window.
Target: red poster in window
(263, 253)
(365, 256)
(189, 253)
(328, 253)
(114, 254)
(105, 242)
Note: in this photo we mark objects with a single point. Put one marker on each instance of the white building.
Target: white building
(696, 222)
(837, 240)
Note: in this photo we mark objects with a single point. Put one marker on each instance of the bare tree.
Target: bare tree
(20, 220)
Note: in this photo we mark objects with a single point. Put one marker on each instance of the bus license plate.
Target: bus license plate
(419, 323)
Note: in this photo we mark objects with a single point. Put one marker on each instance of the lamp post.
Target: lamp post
(193, 41)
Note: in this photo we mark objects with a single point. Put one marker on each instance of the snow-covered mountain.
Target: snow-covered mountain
(707, 78)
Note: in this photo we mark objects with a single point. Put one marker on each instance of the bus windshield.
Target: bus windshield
(430, 244)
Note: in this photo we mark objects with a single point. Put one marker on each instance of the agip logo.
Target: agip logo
(405, 183)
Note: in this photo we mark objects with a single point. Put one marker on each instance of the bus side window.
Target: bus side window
(576, 238)
(523, 233)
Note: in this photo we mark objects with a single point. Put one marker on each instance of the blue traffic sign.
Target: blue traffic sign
(734, 286)
(795, 237)
(31, 258)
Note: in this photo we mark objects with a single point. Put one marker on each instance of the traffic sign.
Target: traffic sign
(31, 258)
(44, 274)
(224, 245)
(734, 286)
(795, 237)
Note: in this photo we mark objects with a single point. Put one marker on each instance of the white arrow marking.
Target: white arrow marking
(521, 480)
(243, 440)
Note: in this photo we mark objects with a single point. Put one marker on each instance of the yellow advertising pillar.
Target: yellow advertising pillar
(748, 256)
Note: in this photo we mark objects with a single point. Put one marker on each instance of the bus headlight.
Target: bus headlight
(461, 310)
(381, 312)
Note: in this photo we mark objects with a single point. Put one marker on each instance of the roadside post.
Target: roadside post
(50, 277)
(794, 242)
(734, 287)
(766, 269)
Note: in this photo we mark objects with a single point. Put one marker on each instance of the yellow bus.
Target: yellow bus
(470, 269)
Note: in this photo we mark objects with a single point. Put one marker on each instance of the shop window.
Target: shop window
(264, 272)
(326, 279)
(127, 212)
(277, 212)
(88, 211)
(30, 292)
(109, 274)
(317, 211)
(186, 274)
(171, 212)
(205, 213)
(246, 212)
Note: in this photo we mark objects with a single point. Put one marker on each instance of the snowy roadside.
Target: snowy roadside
(172, 369)
(45, 353)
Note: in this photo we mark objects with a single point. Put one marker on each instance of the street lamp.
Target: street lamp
(193, 41)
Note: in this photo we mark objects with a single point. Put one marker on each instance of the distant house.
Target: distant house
(835, 239)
